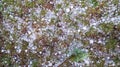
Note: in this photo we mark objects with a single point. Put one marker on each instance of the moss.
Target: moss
(43, 12)
(6, 61)
(115, 2)
(59, 6)
(41, 2)
(9, 2)
(29, 4)
(92, 31)
(106, 27)
(111, 43)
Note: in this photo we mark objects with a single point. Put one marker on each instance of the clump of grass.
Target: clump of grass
(77, 55)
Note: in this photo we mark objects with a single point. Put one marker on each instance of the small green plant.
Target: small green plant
(94, 2)
(6, 60)
(78, 55)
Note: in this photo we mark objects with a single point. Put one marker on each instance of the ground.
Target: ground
(59, 33)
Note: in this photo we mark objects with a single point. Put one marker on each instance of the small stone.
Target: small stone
(67, 10)
(50, 64)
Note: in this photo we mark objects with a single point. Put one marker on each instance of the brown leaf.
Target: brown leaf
(24, 30)
(49, 6)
